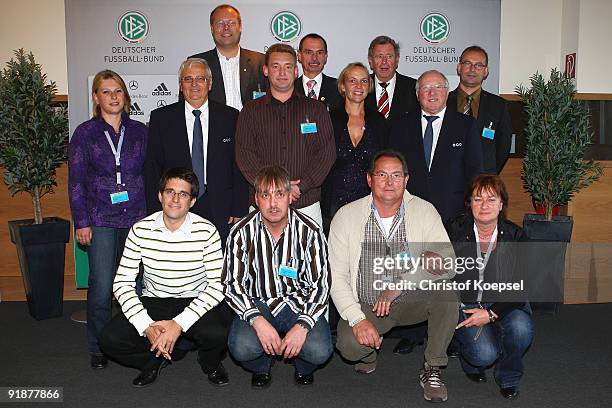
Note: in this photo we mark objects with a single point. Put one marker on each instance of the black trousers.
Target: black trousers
(122, 343)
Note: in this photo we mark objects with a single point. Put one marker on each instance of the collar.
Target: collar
(189, 109)
(318, 79)
(271, 100)
(474, 95)
(125, 117)
(440, 114)
(390, 82)
(159, 224)
(259, 223)
(223, 58)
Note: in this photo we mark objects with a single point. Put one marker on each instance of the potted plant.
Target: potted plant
(33, 144)
(557, 136)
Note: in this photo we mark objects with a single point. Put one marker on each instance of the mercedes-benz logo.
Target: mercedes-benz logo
(133, 85)
(161, 103)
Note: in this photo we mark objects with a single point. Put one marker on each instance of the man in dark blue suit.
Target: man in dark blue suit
(441, 146)
(442, 149)
(198, 134)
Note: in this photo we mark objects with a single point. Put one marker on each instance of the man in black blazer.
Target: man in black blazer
(237, 71)
(394, 93)
(455, 156)
(312, 55)
(172, 134)
(489, 110)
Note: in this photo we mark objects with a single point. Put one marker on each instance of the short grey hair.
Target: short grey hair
(431, 71)
(189, 62)
(382, 40)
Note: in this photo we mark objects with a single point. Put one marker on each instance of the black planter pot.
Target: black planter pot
(550, 240)
(41, 249)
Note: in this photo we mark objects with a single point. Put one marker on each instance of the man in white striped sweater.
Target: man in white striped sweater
(277, 281)
(182, 259)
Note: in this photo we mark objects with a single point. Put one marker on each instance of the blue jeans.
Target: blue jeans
(104, 255)
(503, 343)
(245, 347)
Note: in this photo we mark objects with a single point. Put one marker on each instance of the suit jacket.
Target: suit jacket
(329, 94)
(251, 74)
(168, 146)
(457, 159)
(404, 97)
(492, 110)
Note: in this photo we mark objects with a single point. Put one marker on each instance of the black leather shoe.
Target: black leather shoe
(404, 346)
(261, 381)
(303, 380)
(509, 392)
(477, 377)
(98, 362)
(219, 377)
(148, 377)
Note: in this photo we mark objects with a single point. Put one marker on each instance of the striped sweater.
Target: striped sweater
(185, 263)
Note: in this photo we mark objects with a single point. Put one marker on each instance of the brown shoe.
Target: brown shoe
(365, 368)
(434, 389)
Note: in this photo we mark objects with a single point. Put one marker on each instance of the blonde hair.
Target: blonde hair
(344, 73)
(97, 81)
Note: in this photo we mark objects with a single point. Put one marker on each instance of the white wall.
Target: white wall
(37, 26)
(530, 40)
(595, 47)
(535, 36)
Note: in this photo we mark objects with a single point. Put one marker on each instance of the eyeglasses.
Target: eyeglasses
(198, 79)
(395, 177)
(435, 87)
(170, 193)
(479, 201)
(478, 66)
(354, 81)
(381, 57)
(221, 24)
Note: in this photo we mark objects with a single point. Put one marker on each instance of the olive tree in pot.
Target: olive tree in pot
(557, 136)
(33, 144)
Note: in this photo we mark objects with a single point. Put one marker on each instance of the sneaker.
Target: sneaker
(434, 389)
(365, 368)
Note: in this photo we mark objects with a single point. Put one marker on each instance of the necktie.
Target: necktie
(428, 138)
(467, 108)
(197, 151)
(311, 92)
(383, 102)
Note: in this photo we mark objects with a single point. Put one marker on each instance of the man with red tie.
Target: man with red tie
(394, 93)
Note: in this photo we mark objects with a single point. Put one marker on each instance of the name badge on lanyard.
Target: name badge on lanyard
(119, 196)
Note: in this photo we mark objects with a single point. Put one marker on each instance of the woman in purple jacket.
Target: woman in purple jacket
(106, 187)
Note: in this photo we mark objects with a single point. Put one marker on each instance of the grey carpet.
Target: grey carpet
(569, 365)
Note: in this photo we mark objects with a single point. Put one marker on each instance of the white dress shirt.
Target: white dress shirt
(317, 87)
(190, 121)
(437, 126)
(230, 70)
(379, 89)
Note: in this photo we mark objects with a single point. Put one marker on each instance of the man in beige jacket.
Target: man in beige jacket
(389, 253)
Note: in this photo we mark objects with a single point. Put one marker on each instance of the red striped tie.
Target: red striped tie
(383, 102)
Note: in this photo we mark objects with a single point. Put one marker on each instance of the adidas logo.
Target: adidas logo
(161, 90)
(135, 110)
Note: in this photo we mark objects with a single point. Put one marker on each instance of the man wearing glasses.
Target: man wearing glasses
(182, 259)
(198, 133)
(441, 146)
(238, 71)
(393, 94)
(490, 111)
(370, 243)
(314, 83)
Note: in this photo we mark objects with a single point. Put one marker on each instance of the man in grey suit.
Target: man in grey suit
(237, 71)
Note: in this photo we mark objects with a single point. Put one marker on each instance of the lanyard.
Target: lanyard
(486, 258)
(116, 152)
(399, 218)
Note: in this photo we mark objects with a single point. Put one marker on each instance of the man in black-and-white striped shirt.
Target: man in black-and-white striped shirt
(277, 280)
(182, 259)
